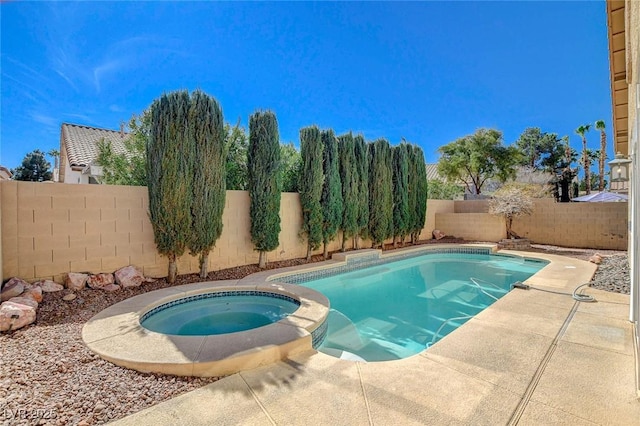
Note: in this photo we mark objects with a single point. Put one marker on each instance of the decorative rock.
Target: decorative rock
(14, 287)
(69, 297)
(98, 281)
(596, 258)
(48, 286)
(34, 293)
(15, 315)
(76, 281)
(129, 276)
(110, 288)
(25, 301)
(438, 235)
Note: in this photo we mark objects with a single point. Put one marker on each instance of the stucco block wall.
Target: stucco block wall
(471, 226)
(52, 229)
(471, 206)
(586, 225)
(48, 230)
(434, 207)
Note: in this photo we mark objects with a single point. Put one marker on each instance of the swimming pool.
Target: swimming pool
(397, 309)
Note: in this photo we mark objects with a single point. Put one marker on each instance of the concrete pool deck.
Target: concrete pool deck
(532, 357)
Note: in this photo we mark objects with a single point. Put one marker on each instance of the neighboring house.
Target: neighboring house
(5, 174)
(79, 150)
(623, 24)
(432, 172)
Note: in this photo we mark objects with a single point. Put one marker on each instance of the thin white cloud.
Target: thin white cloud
(44, 119)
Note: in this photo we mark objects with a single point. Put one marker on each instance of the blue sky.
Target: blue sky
(427, 72)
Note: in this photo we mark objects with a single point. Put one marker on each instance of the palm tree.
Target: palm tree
(582, 130)
(603, 152)
(55, 154)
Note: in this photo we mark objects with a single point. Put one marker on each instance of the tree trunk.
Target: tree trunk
(585, 164)
(173, 269)
(395, 242)
(603, 154)
(262, 260)
(356, 242)
(204, 264)
(344, 243)
(325, 253)
(309, 253)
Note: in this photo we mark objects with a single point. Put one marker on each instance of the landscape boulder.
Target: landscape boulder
(129, 276)
(48, 286)
(76, 281)
(15, 315)
(25, 301)
(33, 292)
(110, 288)
(99, 281)
(14, 287)
(596, 258)
(69, 297)
(438, 235)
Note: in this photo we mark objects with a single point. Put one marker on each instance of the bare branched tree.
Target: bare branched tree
(511, 202)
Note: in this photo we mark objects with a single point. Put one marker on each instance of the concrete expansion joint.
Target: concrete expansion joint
(255, 398)
(519, 410)
(364, 394)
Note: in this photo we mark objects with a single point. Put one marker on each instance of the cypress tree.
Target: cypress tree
(169, 173)
(362, 167)
(417, 191)
(207, 134)
(310, 187)
(331, 199)
(412, 200)
(422, 192)
(265, 182)
(349, 178)
(401, 223)
(380, 192)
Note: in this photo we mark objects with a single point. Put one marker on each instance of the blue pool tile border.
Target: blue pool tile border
(373, 259)
(213, 294)
(318, 335)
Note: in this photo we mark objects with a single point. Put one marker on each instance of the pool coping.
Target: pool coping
(116, 335)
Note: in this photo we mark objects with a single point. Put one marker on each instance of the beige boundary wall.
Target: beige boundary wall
(585, 225)
(50, 229)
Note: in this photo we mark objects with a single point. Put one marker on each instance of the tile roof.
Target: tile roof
(81, 142)
(432, 171)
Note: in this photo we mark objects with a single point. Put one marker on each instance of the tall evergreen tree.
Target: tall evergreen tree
(349, 178)
(310, 187)
(422, 193)
(207, 136)
(34, 168)
(401, 225)
(264, 182)
(169, 176)
(362, 166)
(380, 192)
(331, 199)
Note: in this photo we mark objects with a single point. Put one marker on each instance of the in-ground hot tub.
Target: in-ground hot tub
(219, 312)
(225, 327)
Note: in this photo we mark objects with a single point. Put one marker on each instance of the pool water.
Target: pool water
(398, 309)
(219, 315)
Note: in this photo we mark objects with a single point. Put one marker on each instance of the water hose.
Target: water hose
(574, 295)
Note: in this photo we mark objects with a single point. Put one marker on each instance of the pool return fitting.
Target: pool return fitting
(574, 295)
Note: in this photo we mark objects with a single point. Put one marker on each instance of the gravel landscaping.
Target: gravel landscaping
(48, 376)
